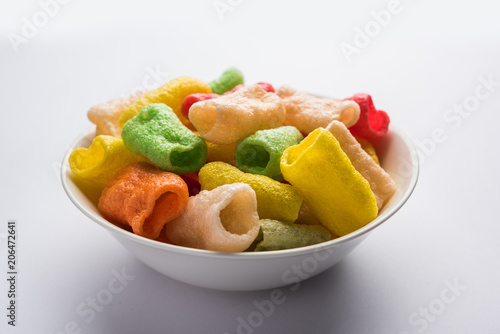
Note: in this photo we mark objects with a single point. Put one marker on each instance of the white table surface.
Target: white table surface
(428, 58)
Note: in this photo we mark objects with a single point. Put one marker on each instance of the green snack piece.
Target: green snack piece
(279, 235)
(157, 134)
(231, 78)
(261, 152)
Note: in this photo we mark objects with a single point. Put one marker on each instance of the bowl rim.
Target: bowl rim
(246, 255)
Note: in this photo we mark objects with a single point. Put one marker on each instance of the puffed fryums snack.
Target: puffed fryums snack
(231, 78)
(261, 152)
(232, 117)
(106, 116)
(157, 133)
(102, 160)
(335, 192)
(145, 198)
(275, 200)
(372, 123)
(278, 235)
(382, 185)
(307, 112)
(224, 219)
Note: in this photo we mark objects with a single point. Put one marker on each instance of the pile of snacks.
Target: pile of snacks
(229, 167)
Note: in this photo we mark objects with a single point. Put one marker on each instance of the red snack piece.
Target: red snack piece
(193, 98)
(192, 182)
(372, 123)
(265, 86)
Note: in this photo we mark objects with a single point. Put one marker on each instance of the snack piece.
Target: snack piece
(307, 112)
(157, 133)
(106, 115)
(172, 94)
(330, 185)
(265, 86)
(232, 117)
(221, 152)
(193, 98)
(368, 148)
(372, 123)
(102, 160)
(279, 235)
(261, 152)
(382, 185)
(227, 81)
(275, 200)
(145, 198)
(224, 219)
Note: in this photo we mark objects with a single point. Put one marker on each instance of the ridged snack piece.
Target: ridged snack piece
(145, 198)
(372, 123)
(231, 78)
(275, 200)
(232, 117)
(261, 152)
(224, 219)
(106, 116)
(328, 182)
(307, 112)
(102, 160)
(382, 185)
(157, 133)
(172, 94)
(280, 235)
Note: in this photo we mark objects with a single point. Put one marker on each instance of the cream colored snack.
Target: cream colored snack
(106, 116)
(232, 117)
(382, 185)
(224, 219)
(307, 112)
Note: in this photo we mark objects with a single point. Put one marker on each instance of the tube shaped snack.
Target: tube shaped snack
(261, 152)
(372, 123)
(106, 116)
(157, 134)
(224, 219)
(145, 198)
(231, 78)
(232, 117)
(279, 235)
(307, 112)
(330, 185)
(193, 98)
(102, 160)
(382, 185)
(172, 94)
(275, 200)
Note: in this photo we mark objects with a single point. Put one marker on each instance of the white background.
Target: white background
(428, 58)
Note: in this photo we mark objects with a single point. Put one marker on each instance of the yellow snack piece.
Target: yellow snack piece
(172, 94)
(221, 152)
(105, 157)
(382, 185)
(330, 185)
(368, 148)
(275, 200)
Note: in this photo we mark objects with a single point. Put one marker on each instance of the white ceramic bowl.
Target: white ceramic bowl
(260, 270)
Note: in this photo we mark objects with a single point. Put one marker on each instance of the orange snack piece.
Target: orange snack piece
(145, 198)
